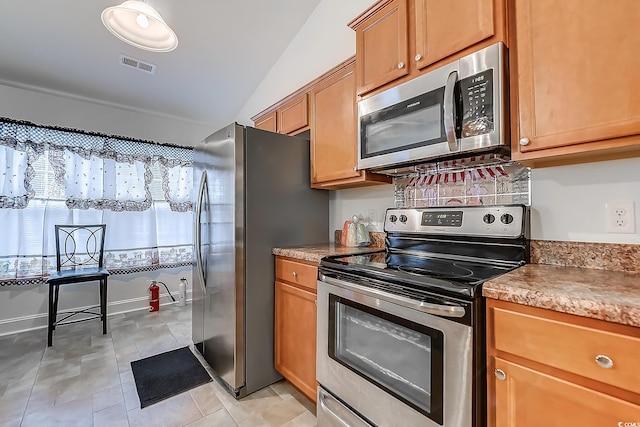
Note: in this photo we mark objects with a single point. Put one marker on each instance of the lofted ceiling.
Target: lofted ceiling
(225, 49)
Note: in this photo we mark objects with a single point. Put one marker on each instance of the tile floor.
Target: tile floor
(85, 379)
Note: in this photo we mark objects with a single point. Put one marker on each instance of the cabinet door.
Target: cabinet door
(266, 122)
(446, 27)
(577, 72)
(293, 115)
(295, 337)
(530, 398)
(382, 46)
(333, 129)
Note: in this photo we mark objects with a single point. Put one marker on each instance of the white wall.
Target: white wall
(324, 41)
(61, 110)
(568, 201)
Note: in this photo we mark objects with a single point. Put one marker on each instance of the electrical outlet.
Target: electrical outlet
(620, 217)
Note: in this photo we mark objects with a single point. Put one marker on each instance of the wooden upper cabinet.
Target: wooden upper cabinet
(443, 28)
(266, 122)
(576, 81)
(333, 133)
(290, 116)
(397, 40)
(382, 46)
(334, 139)
(293, 115)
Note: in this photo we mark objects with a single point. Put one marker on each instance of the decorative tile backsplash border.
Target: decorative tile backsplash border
(481, 180)
(601, 256)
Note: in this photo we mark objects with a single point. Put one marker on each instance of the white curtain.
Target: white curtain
(141, 190)
(16, 172)
(177, 184)
(102, 181)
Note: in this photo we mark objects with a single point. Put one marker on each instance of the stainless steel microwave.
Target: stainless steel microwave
(457, 109)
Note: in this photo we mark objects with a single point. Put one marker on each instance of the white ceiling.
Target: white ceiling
(225, 49)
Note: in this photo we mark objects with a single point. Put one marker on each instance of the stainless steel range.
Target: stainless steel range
(401, 338)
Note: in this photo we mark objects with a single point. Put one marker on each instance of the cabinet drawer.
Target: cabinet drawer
(304, 275)
(570, 347)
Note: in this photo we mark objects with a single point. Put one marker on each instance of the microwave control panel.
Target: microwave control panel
(476, 96)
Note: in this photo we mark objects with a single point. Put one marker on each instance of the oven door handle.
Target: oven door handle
(426, 307)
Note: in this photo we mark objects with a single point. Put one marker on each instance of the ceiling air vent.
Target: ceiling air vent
(128, 61)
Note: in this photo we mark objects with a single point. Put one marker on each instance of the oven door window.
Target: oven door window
(402, 357)
(409, 124)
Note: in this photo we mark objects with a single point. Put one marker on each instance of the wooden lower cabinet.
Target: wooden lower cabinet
(528, 398)
(295, 329)
(553, 369)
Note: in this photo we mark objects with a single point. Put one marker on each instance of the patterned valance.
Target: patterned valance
(94, 171)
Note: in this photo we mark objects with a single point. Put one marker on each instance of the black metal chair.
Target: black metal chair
(79, 258)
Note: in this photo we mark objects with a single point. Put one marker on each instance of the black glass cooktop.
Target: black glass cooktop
(456, 277)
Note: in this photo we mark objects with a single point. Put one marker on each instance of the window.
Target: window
(50, 176)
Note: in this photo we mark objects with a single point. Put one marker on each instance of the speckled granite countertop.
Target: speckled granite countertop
(315, 253)
(613, 296)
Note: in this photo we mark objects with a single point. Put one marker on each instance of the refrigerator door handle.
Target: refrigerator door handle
(204, 187)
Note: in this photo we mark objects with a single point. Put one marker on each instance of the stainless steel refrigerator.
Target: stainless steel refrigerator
(253, 194)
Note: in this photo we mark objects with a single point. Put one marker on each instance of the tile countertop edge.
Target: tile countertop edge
(314, 253)
(612, 296)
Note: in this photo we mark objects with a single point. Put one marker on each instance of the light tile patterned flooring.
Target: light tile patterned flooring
(85, 379)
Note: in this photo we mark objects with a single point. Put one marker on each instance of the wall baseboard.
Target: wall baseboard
(39, 321)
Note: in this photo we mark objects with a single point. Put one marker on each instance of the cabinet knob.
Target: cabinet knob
(604, 361)
(499, 373)
(524, 141)
(418, 57)
(400, 64)
(355, 168)
(294, 274)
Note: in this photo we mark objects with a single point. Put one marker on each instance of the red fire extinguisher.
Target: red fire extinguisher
(154, 297)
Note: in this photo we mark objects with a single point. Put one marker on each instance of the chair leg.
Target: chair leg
(103, 304)
(52, 317)
(56, 298)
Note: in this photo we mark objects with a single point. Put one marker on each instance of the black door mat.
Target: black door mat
(167, 374)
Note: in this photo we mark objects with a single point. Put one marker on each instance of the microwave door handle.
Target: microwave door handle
(448, 107)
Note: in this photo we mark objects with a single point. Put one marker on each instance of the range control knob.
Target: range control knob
(506, 218)
(489, 218)
(403, 219)
(393, 218)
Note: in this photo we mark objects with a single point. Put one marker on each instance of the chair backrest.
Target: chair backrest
(79, 246)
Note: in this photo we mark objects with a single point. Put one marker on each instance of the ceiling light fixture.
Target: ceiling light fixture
(140, 25)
